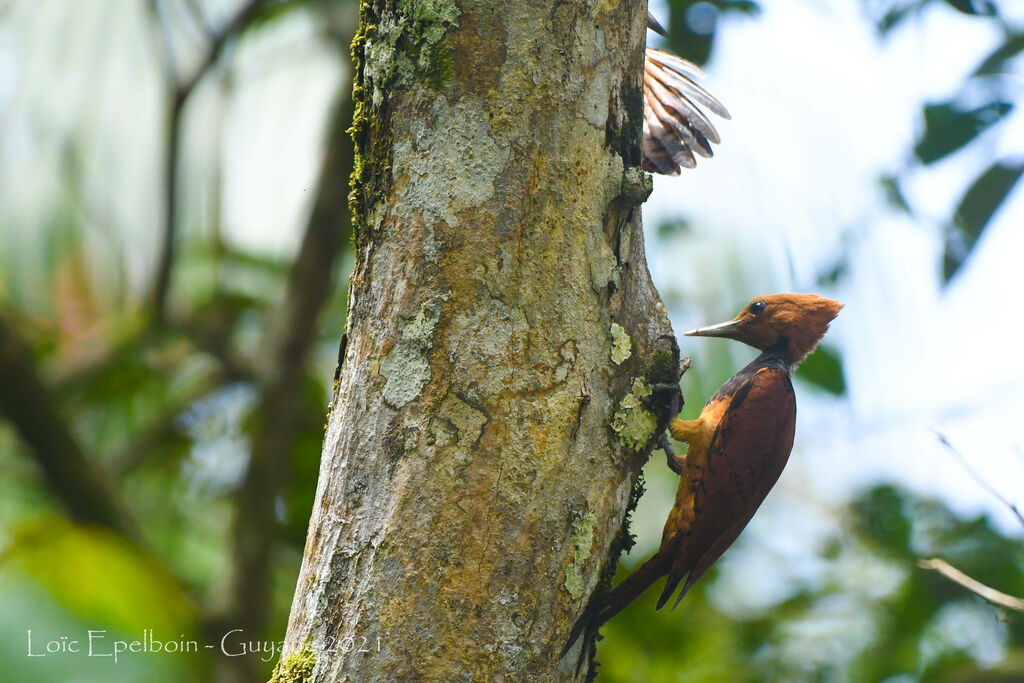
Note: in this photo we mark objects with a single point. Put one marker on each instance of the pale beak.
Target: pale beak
(726, 329)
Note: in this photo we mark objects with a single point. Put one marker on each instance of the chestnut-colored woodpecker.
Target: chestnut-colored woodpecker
(675, 128)
(737, 449)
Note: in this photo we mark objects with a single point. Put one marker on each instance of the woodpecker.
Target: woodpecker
(737, 449)
(675, 128)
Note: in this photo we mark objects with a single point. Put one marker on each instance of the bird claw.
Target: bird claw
(675, 403)
(673, 461)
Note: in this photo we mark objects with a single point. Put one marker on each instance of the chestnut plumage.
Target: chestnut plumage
(737, 448)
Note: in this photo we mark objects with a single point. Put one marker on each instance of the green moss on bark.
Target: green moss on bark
(663, 368)
(362, 123)
(623, 134)
(296, 667)
(394, 47)
(624, 541)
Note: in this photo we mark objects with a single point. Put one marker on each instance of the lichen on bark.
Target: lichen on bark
(582, 539)
(634, 422)
(406, 368)
(621, 344)
(406, 42)
(392, 47)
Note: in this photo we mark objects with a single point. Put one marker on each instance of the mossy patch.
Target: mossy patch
(623, 133)
(663, 368)
(633, 422)
(296, 667)
(408, 42)
(394, 46)
(370, 136)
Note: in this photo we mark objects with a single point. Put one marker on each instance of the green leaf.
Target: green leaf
(975, 8)
(894, 15)
(948, 128)
(693, 23)
(101, 576)
(880, 515)
(824, 369)
(676, 227)
(996, 61)
(831, 275)
(976, 208)
(894, 194)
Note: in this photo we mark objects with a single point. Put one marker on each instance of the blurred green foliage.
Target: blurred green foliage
(108, 580)
(169, 413)
(168, 409)
(691, 24)
(977, 206)
(978, 108)
(823, 369)
(868, 614)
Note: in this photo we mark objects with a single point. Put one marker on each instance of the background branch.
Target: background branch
(981, 482)
(180, 93)
(973, 585)
(82, 487)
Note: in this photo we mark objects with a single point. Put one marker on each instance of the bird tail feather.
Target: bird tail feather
(674, 125)
(618, 598)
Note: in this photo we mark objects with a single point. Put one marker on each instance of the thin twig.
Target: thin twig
(181, 90)
(974, 475)
(198, 17)
(162, 283)
(221, 38)
(973, 585)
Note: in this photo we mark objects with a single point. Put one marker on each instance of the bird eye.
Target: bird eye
(757, 307)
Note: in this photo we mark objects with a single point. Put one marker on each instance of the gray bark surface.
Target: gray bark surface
(494, 404)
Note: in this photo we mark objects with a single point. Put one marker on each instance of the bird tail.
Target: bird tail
(613, 602)
(675, 127)
(670, 587)
(631, 587)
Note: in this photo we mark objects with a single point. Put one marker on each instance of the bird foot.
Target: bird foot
(668, 397)
(673, 462)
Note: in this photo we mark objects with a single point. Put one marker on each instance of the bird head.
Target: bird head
(798, 320)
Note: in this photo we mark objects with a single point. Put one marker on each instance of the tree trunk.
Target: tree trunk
(495, 398)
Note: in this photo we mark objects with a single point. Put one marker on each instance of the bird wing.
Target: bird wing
(723, 487)
(674, 125)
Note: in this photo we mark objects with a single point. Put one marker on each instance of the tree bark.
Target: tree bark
(499, 390)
